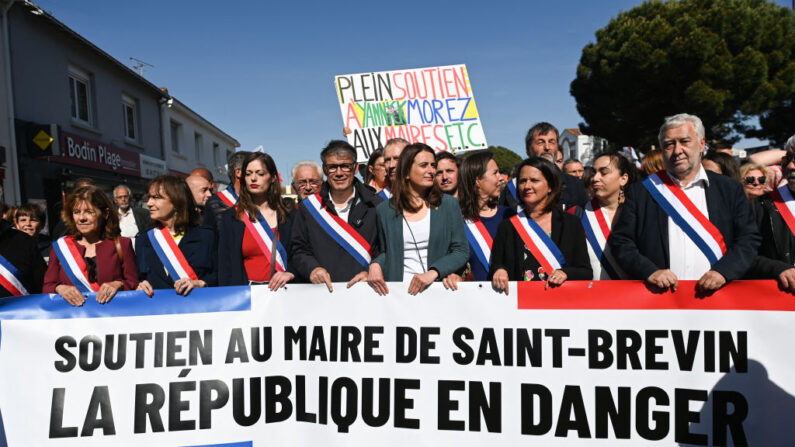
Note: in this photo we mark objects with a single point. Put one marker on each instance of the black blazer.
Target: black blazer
(567, 234)
(639, 238)
(312, 247)
(231, 270)
(198, 246)
(21, 251)
(777, 250)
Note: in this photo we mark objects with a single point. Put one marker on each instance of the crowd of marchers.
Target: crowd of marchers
(419, 216)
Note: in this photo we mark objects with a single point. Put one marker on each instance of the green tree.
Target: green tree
(731, 62)
(506, 159)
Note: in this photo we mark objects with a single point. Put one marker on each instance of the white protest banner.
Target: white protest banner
(587, 363)
(432, 105)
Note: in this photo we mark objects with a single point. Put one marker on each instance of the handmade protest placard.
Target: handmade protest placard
(432, 105)
(602, 362)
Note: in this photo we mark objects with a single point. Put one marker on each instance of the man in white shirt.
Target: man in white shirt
(661, 246)
(131, 220)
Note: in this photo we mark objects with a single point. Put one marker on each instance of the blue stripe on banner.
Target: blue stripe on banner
(334, 235)
(589, 233)
(3, 441)
(679, 220)
(162, 255)
(475, 247)
(128, 304)
(230, 444)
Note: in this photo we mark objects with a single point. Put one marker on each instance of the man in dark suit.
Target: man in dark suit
(214, 206)
(316, 256)
(542, 141)
(651, 245)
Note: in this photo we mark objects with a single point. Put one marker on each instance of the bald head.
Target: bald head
(200, 188)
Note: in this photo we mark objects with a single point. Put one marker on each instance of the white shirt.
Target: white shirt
(127, 223)
(687, 261)
(346, 209)
(415, 249)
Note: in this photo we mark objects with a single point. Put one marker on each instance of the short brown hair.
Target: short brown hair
(178, 192)
(99, 200)
(31, 210)
(400, 185)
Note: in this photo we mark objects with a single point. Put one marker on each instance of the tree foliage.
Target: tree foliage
(730, 62)
(506, 159)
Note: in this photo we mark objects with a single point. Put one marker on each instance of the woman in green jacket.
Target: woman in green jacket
(420, 230)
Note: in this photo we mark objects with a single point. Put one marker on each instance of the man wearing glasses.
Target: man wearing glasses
(307, 177)
(334, 231)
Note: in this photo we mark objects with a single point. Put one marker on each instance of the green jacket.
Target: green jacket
(448, 249)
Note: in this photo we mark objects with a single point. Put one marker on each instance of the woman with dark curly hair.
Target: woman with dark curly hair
(92, 257)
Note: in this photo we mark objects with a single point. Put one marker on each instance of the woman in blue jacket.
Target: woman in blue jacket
(420, 230)
(176, 253)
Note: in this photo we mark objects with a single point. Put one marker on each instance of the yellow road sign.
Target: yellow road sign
(42, 140)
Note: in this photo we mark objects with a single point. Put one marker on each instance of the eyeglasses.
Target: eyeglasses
(750, 180)
(303, 183)
(346, 167)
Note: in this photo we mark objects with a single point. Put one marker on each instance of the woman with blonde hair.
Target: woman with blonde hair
(754, 177)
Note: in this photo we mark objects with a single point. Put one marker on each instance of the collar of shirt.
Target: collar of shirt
(122, 213)
(348, 202)
(700, 177)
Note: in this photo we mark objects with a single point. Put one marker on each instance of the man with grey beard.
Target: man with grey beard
(777, 252)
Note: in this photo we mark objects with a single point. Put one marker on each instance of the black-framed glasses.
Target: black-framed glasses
(302, 183)
(346, 167)
(750, 180)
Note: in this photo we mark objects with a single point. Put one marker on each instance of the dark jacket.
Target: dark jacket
(567, 233)
(231, 270)
(312, 247)
(639, 238)
(211, 216)
(198, 246)
(142, 219)
(777, 250)
(109, 267)
(572, 192)
(21, 251)
(448, 248)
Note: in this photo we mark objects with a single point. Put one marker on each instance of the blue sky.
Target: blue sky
(263, 71)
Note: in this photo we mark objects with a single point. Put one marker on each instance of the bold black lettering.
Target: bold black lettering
(529, 426)
(619, 416)
(140, 348)
(278, 407)
(643, 419)
(628, 344)
(488, 349)
(176, 406)
(731, 353)
(572, 401)
(200, 347)
(709, 351)
(403, 403)
(348, 387)
(261, 346)
(61, 348)
(527, 350)
(236, 349)
(427, 345)
(721, 419)
(294, 336)
(406, 346)
(557, 345)
(685, 352)
(300, 401)
(99, 404)
(371, 343)
(172, 349)
(652, 349)
(145, 410)
(368, 400)
(57, 430)
(599, 344)
(349, 343)
(93, 345)
(206, 401)
(466, 354)
(446, 405)
(684, 416)
(239, 401)
(490, 406)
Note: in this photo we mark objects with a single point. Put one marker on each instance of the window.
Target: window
(197, 142)
(80, 94)
(217, 154)
(176, 128)
(128, 107)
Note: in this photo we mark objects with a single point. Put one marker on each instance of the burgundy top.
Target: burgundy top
(108, 266)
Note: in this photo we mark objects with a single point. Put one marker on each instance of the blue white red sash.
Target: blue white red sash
(73, 264)
(10, 278)
(228, 196)
(684, 213)
(597, 232)
(264, 236)
(782, 198)
(512, 189)
(385, 193)
(170, 255)
(539, 243)
(480, 241)
(340, 231)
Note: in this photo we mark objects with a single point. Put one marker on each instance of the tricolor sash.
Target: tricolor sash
(73, 264)
(512, 189)
(385, 193)
(480, 241)
(684, 213)
(539, 243)
(228, 196)
(170, 255)
(264, 236)
(339, 230)
(10, 278)
(597, 231)
(782, 198)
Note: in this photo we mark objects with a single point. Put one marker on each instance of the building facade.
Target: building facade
(580, 147)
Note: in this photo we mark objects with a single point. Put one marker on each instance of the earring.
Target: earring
(621, 195)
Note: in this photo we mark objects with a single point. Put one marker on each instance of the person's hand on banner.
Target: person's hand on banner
(361, 276)
(421, 281)
(184, 286)
(375, 278)
(555, 279)
(664, 279)
(279, 279)
(786, 280)
(107, 291)
(710, 282)
(500, 280)
(146, 288)
(451, 281)
(70, 294)
(320, 276)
